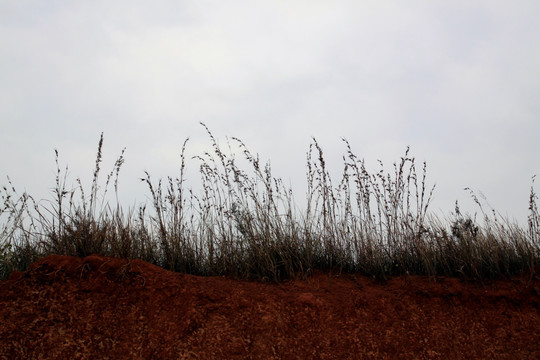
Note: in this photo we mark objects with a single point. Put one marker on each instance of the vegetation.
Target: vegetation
(246, 225)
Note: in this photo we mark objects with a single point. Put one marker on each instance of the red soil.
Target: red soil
(97, 307)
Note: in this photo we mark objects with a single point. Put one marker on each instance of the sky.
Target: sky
(457, 81)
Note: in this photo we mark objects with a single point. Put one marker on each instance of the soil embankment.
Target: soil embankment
(98, 307)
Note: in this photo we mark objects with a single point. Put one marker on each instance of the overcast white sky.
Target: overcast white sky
(458, 81)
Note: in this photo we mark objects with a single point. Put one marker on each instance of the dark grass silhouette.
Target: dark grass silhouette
(244, 223)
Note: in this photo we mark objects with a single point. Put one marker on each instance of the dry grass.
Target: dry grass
(245, 223)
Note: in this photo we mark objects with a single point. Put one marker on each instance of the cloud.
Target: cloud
(458, 82)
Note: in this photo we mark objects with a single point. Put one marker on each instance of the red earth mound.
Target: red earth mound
(99, 307)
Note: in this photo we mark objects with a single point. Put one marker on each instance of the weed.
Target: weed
(244, 223)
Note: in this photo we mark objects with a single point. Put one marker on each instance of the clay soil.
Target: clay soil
(98, 307)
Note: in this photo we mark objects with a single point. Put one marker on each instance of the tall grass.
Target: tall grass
(244, 222)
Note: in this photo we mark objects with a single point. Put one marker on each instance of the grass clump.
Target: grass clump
(245, 224)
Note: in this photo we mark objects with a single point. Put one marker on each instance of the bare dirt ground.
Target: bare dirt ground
(97, 307)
